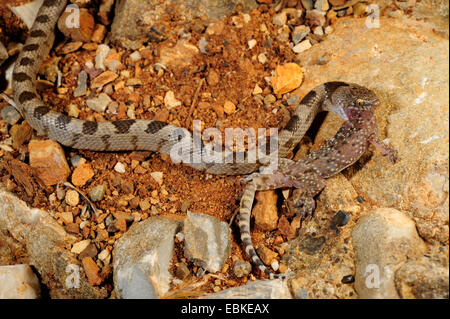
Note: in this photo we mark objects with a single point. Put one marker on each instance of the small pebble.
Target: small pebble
(135, 56)
(302, 46)
(262, 58)
(202, 45)
(100, 103)
(252, 43)
(105, 256)
(279, 19)
(274, 264)
(77, 248)
(170, 101)
(269, 99)
(77, 160)
(229, 107)
(157, 176)
(81, 84)
(299, 33)
(144, 204)
(72, 197)
(242, 268)
(257, 90)
(100, 56)
(97, 193)
(10, 115)
(119, 167)
(72, 110)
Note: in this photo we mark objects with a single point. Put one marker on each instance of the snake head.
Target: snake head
(351, 98)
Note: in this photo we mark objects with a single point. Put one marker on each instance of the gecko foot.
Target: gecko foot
(302, 205)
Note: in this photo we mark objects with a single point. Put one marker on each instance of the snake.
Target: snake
(148, 134)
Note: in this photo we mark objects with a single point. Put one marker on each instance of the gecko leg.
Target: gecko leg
(384, 149)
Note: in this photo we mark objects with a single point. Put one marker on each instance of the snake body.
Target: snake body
(147, 134)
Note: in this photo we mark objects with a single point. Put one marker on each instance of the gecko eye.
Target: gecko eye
(360, 102)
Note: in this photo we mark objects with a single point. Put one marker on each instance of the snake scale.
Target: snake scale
(152, 135)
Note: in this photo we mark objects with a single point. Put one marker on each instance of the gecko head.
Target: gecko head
(353, 99)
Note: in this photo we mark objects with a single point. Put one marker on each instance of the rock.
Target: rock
(77, 29)
(285, 228)
(90, 251)
(43, 240)
(267, 256)
(72, 197)
(135, 56)
(78, 247)
(202, 44)
(70, 47)
(103, 79)
(10, 115)
(260, 289)
(262, 58)
(178, 57)
(181, 271)
(242, 268)
(307, 4)
(100, 103)
(302, 46)
(99, 33)
(157, 176)
(299, 33)
(139, 21)
(383, 240)
(81, 84)
(170, 101)
(82, 174)
(66, 217)
(251, 43)
(212, 78)
(318, 31)
(229, 107)
(142, 258)
(265, 210)
(18, 282)
(207, 241)
(120, 168)
(287, 78)
(315, 18)
(279, 19)
(48, 159)
(322, 5)
(91, 269)
(422, 279)
(105, 256)
(97, 193)
(339, 195)
(72, 110)
(20, 134)
(257, 90)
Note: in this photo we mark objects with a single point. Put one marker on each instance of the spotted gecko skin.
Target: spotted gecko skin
(308, 175)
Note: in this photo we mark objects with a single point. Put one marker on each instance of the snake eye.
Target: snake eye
(360, 102)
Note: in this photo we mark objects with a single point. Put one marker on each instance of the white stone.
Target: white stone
(252, 43)
(170, 101)
(77, 248)
(18, 282)
(302, 46)
(119, 167)
(100, 56)
(100, 103)
(262, 58)
(157, 176)
(135, 56)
